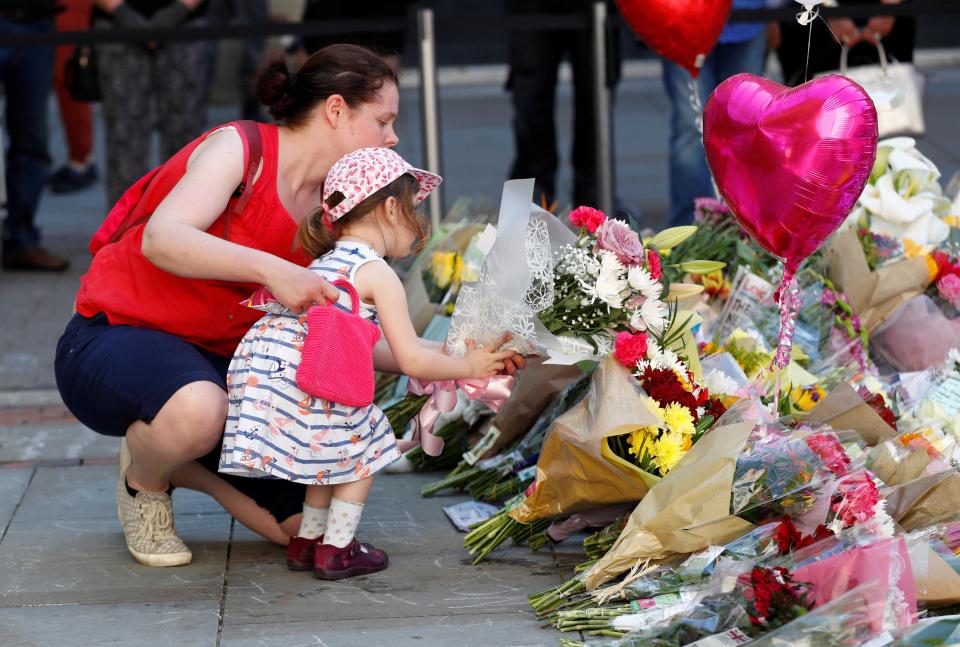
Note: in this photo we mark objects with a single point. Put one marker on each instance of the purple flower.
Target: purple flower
(615, 236)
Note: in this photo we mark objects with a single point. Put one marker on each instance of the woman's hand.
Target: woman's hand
(297, 288)
(846, 30)
(877, 28)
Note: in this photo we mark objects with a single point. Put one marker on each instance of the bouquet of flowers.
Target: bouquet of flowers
(561, 294)
(903, 199)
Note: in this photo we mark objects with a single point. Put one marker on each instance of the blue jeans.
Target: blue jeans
(689, 175)
(26, 74)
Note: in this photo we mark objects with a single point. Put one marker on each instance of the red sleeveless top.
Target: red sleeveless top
(131, 290)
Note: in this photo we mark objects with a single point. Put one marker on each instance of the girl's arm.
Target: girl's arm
(175, 238)
(378, 283)
(383, 359)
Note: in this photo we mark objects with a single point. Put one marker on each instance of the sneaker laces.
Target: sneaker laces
(157, 520)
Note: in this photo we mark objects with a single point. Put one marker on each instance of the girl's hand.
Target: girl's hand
(485, 362)
(298, 288)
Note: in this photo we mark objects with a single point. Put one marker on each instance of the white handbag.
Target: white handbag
(897, 90)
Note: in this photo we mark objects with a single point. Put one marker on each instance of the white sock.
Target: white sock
(344, 519)
(314, 522)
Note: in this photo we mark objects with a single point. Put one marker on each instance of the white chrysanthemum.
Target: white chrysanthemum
(653, 315)
(953, 360)
(640, 280)
(719, 382)
(611, 282)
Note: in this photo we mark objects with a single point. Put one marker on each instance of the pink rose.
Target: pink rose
(949, 288)
(653, 264)
(630, 349)
(587, 218)
(615, 236)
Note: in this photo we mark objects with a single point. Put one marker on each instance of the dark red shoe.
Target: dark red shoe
(300, 553)
(332, 563)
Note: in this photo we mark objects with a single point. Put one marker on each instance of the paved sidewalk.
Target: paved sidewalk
(67, 578)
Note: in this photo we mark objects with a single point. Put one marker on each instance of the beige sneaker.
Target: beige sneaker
(147, 521)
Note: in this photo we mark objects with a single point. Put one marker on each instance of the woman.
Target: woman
(158, 314)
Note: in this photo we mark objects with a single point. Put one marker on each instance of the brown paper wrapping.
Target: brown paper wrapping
(940, 503)
(571, 473)
(844, 409)
(687, 511)
(882, 462)
(938, 585)
(536, 388)
(924, 501)
(872, 295)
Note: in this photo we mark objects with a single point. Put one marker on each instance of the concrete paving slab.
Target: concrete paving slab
(58, 442)
(173, 624)
(88, 492)
(85, 561)
(425, 585)
(13, 483)
(484, 630)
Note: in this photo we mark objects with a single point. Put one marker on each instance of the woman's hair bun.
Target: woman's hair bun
(273, 86)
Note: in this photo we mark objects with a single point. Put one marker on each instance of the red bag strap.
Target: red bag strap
(352, 291)
(252, 152)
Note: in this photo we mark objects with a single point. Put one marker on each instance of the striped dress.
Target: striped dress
(275, 430)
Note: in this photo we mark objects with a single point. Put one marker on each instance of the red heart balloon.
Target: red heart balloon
(790, 162)
(683, 31)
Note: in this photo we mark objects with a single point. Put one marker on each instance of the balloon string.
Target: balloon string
(696, 104)
(806, 69)
(789, 299)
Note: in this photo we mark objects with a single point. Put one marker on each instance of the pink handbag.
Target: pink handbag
(337, 361)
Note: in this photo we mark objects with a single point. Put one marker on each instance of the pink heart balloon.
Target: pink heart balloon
(790, 162)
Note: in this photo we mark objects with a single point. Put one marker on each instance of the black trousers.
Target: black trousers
(535, 57)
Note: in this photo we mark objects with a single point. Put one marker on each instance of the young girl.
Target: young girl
(276, 430)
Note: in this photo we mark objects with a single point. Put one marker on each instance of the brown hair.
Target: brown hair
(353, 72)
(317, 239)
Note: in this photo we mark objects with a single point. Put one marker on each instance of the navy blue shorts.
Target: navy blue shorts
(111, 376)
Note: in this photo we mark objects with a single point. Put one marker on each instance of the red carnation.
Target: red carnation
(653, 264)
(587, 218)
(630, 349)
(876, 402)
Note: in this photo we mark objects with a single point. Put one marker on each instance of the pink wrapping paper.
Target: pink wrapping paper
(885, 563)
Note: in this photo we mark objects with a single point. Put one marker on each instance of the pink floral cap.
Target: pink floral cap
(360, 174)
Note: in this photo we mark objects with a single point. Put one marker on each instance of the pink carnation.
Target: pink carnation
(949, 288)
(630, 349)
(615, 236)
(587, 218)
(653, 264)
(830, 451)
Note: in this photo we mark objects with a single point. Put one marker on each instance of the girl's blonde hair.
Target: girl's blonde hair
(316, 238)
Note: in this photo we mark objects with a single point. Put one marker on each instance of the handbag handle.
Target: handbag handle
(352, 291)
(880, 50)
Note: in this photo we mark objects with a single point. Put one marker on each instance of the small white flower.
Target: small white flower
(640, 280)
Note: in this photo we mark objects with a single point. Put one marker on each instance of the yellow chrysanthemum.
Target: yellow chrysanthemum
(953, 221)
(667, 452)
(442, 268)
(678, 419)
(805, 398)
(641, 442)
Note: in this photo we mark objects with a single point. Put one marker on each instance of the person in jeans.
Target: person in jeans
(26, 74)
(741, 48)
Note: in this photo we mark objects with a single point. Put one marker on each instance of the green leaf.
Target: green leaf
(670, 238)
(702, 267)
